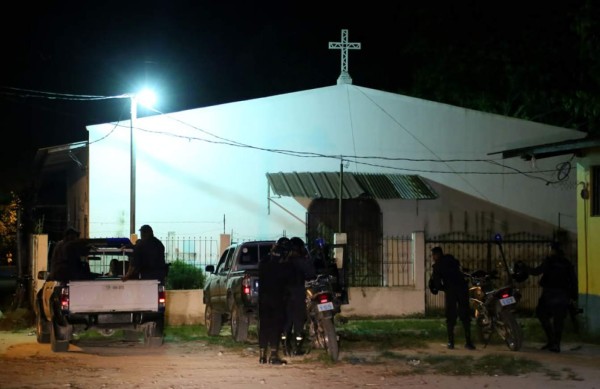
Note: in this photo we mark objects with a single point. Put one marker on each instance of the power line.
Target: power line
(27, 93)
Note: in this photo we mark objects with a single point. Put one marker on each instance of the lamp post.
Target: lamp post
(132, 176)
(146, 98)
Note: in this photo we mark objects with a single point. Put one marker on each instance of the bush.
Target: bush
(184, 276)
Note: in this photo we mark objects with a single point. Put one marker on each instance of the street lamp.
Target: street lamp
(147, 98)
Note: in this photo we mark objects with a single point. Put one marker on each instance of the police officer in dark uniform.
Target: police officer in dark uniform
(302, 269)
(59, 263)
(559, 288)
(273, 276)
(448, 277)
(148, 261)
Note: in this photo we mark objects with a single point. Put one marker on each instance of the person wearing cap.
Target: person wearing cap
(448, 277)
(559, 288)
(148, 259)
(59, 266)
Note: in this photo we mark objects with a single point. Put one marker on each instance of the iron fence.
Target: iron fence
(196, 251)
(389, 263)
(475, 253)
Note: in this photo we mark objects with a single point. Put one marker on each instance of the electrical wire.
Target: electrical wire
(562, 169)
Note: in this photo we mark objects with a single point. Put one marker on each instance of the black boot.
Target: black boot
(299, 343)
(468, 343)
(450, 330)
(549, 331)
(275, 360)
(288, 344)
(262, 355)
(555, 347)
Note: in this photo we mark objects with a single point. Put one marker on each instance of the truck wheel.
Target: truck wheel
(42, 326)
(59, 337)
(213, 321)
(239, 324)
(153, 334)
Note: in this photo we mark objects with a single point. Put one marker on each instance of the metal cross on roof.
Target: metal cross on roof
(344, 46)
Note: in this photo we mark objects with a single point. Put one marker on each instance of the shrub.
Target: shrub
(184, 276)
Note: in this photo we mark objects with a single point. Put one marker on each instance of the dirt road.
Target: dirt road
(119, 364)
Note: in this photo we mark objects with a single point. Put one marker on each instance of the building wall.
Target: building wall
(588, 248)
(455, 211)
(205, 172)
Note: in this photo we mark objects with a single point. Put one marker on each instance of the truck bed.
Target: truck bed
(113, 295)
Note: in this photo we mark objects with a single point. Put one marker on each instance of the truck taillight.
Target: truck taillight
(162, 296)
(246, 285)
(64, 299)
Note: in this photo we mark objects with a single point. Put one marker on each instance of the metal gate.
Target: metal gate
(475, 253)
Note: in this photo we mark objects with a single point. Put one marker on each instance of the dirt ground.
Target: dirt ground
(118, 364)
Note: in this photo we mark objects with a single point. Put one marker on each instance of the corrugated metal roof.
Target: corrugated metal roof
(326, 185)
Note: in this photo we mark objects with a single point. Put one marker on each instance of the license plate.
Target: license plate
(507, 301)
(325, 307)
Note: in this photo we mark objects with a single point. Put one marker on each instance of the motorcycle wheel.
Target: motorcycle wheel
(509, 329)
(484, 326)
(328, 338)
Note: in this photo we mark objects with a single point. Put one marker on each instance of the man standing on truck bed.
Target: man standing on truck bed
(59, 266)
(148, 261)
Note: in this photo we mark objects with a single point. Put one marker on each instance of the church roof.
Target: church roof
(326, 185)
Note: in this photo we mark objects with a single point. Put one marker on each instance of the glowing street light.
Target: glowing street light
(147, 98)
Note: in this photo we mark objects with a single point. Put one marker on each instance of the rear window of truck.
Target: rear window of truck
(251, 254)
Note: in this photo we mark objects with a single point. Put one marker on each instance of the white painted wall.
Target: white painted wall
(455, 211)
(194, 167)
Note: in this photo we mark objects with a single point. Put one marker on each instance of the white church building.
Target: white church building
(337, 159)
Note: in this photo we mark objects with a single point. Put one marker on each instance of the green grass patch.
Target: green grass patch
(489, 365)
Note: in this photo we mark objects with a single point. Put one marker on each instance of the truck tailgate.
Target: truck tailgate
(113, 296)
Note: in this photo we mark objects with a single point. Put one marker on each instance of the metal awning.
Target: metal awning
(59, 158)
(326, 185)
(572, 146)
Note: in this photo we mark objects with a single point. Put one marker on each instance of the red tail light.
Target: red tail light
(323, 298)
(162, 296)
(64, 299)
(504, 293)
(246, 285)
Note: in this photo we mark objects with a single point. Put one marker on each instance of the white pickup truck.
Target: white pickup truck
(104, 303)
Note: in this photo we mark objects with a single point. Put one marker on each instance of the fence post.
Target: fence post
(224, 242)
(418, 257)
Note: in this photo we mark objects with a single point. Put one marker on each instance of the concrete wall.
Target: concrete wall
(185, 307)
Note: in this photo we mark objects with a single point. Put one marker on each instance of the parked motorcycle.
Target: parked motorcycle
(321, 306)
(494, 307)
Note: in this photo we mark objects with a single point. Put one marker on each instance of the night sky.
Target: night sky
(199, 53)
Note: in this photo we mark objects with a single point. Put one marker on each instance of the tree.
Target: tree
(9, 225)
(542, 64)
